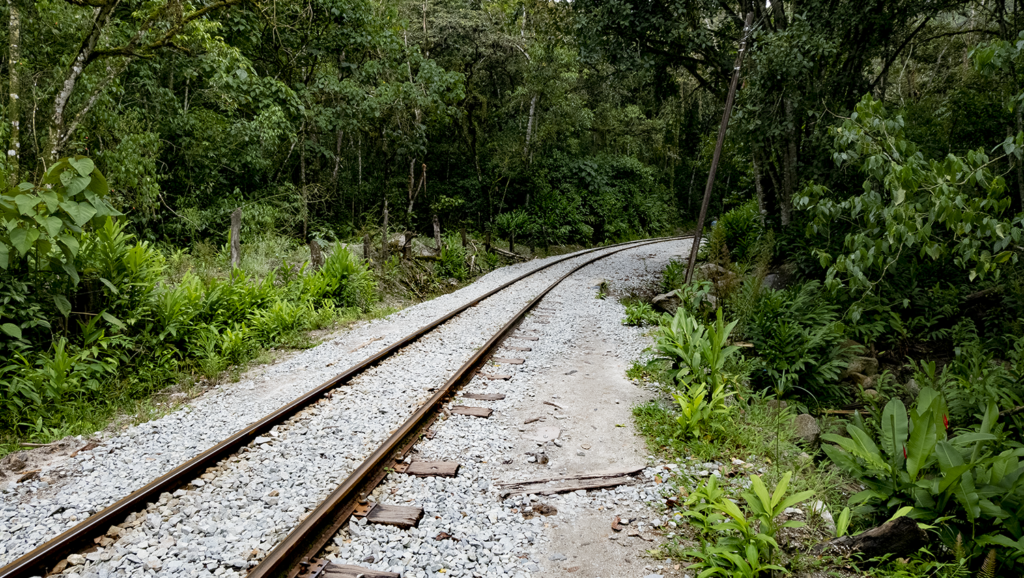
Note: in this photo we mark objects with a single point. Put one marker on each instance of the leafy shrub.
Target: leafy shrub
(746, 541)
(640, 313)
(698, 354)
(971, 485)
(739, 229)
(798, 334)
(674, 276)
(344, 278)
(451, 263)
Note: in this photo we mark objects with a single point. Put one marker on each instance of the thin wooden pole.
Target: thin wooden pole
(718, 145)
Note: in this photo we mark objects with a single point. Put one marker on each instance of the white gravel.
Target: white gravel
(240, 510)
(486, 535)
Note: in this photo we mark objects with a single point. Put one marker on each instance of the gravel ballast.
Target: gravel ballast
(235, 513)
(469, 528)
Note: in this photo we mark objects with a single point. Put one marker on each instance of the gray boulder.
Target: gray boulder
(667, 302)
(806, 429)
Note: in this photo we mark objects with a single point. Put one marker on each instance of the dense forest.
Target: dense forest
(873, 166)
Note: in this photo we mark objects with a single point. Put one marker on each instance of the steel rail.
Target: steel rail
(297, 550)
(44, 557)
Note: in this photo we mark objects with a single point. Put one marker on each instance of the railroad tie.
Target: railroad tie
(512, 360)
(403, 517)
(426, 469)
(473, 411)
(349, 571)
(495, 376)
(485, 396)
(514, 348)
(526, 337)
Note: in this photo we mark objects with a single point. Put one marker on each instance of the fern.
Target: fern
(988, 567)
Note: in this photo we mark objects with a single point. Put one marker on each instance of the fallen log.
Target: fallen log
(899, 537)
(507, 253)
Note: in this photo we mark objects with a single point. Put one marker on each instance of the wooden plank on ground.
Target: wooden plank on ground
(400, 516)
(473, 411)
(512, 360)
(591, 481)
(515, 348)
(496, 376)
(485, 396)
(350, 571)
(526, 337)
(439, 469)
(541, 321)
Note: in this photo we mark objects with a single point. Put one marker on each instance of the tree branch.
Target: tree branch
(892, 57)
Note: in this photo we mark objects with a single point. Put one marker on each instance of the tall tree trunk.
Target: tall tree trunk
(337, 162)
(384, 234)
(789, 164)
(236, 238)
(101, 18)
(1020, 166)
(13, 108)
(529, 126)
(302, 183)
(758, 185)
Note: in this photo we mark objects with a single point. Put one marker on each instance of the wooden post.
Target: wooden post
(462, 232)
(316, 256)
(407, 244)
(718, 145)
(487, 238)
(437, 233)
(236, 238)
(366, 246)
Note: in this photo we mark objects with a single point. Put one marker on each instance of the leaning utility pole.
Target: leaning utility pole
(718, 146)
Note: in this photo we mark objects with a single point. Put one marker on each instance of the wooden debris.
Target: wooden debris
(350, 571)
(592, 481)
(438, 469)
(400, 516)
(358, 347)
(473, 411)
(899, 537)
(26, 476)
(553, 404)
(532, 419)
(485, 396)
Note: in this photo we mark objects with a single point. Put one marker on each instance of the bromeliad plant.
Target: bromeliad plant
(698, 354)
(961, 483)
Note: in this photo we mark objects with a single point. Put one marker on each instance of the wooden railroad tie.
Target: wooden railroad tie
(495, 376)
(514, 348)
(426, 469)
(332, 570)
(512, 360)
(485, 396)
(526, 337)
(473, 411)
(403, 517)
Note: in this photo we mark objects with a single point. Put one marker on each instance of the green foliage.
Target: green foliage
(344, 279)
(954, 209)
(698, 352)
(674, 275)
(740, 230)
(640, 313)
(746, 539)
(45, 222)
(797, 333)
(967, 484)
(451, 263)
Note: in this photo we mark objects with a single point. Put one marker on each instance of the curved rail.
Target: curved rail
(40, 560)
(297, 550)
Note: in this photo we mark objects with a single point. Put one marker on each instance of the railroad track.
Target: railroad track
(295, 554)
